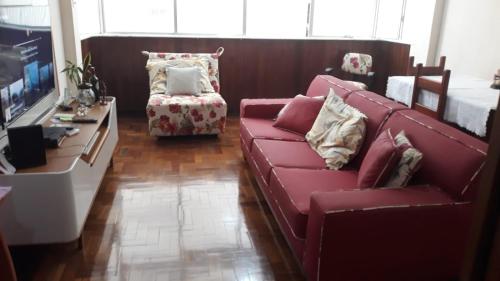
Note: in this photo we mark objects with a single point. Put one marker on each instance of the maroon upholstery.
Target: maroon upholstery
(341, 232)
(299, 114)
(321, 85)
(252, 128)
(379, 162)
(271, 153)
(261, 108)
(377, 113)
(451, 159)
(287, 188)
(412, 233)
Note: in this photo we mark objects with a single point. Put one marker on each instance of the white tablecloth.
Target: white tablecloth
(469, 102)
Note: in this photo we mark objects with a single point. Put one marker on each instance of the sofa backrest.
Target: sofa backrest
(377, 109)
(321, 85)
(452, 159)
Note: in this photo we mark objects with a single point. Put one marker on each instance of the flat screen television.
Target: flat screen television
(26, 60)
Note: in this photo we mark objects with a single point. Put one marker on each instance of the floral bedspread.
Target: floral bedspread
(186, 115)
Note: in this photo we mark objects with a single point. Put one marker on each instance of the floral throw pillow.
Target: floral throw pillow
(213, 62)
(338, 132)
(409, 163)
(158, 75)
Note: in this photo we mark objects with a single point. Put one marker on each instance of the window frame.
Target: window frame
(309, 25)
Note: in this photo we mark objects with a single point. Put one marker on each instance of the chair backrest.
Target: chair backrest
(438, 88)
(426, 70)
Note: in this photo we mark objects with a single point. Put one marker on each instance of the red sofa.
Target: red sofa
(340, 232)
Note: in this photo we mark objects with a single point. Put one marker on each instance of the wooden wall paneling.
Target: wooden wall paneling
(250, 68)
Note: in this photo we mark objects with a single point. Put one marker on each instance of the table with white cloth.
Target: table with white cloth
(469, 103)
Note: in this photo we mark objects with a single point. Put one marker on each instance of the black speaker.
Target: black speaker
(27, 146)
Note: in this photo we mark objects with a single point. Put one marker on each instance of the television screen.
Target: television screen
(26, 61)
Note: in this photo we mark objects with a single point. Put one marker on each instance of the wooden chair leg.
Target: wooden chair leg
(7, 271)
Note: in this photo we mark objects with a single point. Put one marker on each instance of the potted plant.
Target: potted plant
(80, 76)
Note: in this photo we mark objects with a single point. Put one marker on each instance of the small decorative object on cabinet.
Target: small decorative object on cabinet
(81, 76)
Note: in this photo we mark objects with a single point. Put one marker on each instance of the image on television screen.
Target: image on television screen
(31, 83)
(26, 59)
(5, 98)
(17, 102)
(44, 73)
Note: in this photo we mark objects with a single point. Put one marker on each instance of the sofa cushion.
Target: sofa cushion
(253, 128)
(291, 189)
(299, 114)
(377, 109)
(409, 163)
(273, 153)
(452, 159)
(379, 162)
(338, 132)
(321, 85)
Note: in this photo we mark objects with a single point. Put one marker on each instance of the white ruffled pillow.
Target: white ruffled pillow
(183, 80)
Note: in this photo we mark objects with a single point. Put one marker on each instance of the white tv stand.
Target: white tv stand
(50, 203)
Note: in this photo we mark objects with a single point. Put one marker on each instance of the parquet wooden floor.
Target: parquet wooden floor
(182, 208)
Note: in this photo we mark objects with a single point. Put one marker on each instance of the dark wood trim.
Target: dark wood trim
(426, 70)
(249, 68)
(482, 259)
(439, 88)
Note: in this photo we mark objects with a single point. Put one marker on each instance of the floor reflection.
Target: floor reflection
(172, 209)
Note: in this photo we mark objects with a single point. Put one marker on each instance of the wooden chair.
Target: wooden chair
(426, 70)
(439, 88)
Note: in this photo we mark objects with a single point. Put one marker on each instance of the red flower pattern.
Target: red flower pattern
(151, 112)
(174, 108)
(355, 62)
(213, 114)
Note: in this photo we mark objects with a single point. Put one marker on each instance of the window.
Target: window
(219, 17)
(88, 16)
(277, 18)
(147, 16)
(389, 19)
(417, 27)
(407, 20)
(344, 18)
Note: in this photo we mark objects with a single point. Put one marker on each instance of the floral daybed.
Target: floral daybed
(180, 115)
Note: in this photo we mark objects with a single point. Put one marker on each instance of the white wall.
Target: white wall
(65, 38)
(470, 37)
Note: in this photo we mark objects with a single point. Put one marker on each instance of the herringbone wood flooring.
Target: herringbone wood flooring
(182, 208)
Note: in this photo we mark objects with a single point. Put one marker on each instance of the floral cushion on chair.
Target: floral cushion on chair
(158, 75)
(213, 62)
(186, 114)
(356, 63)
